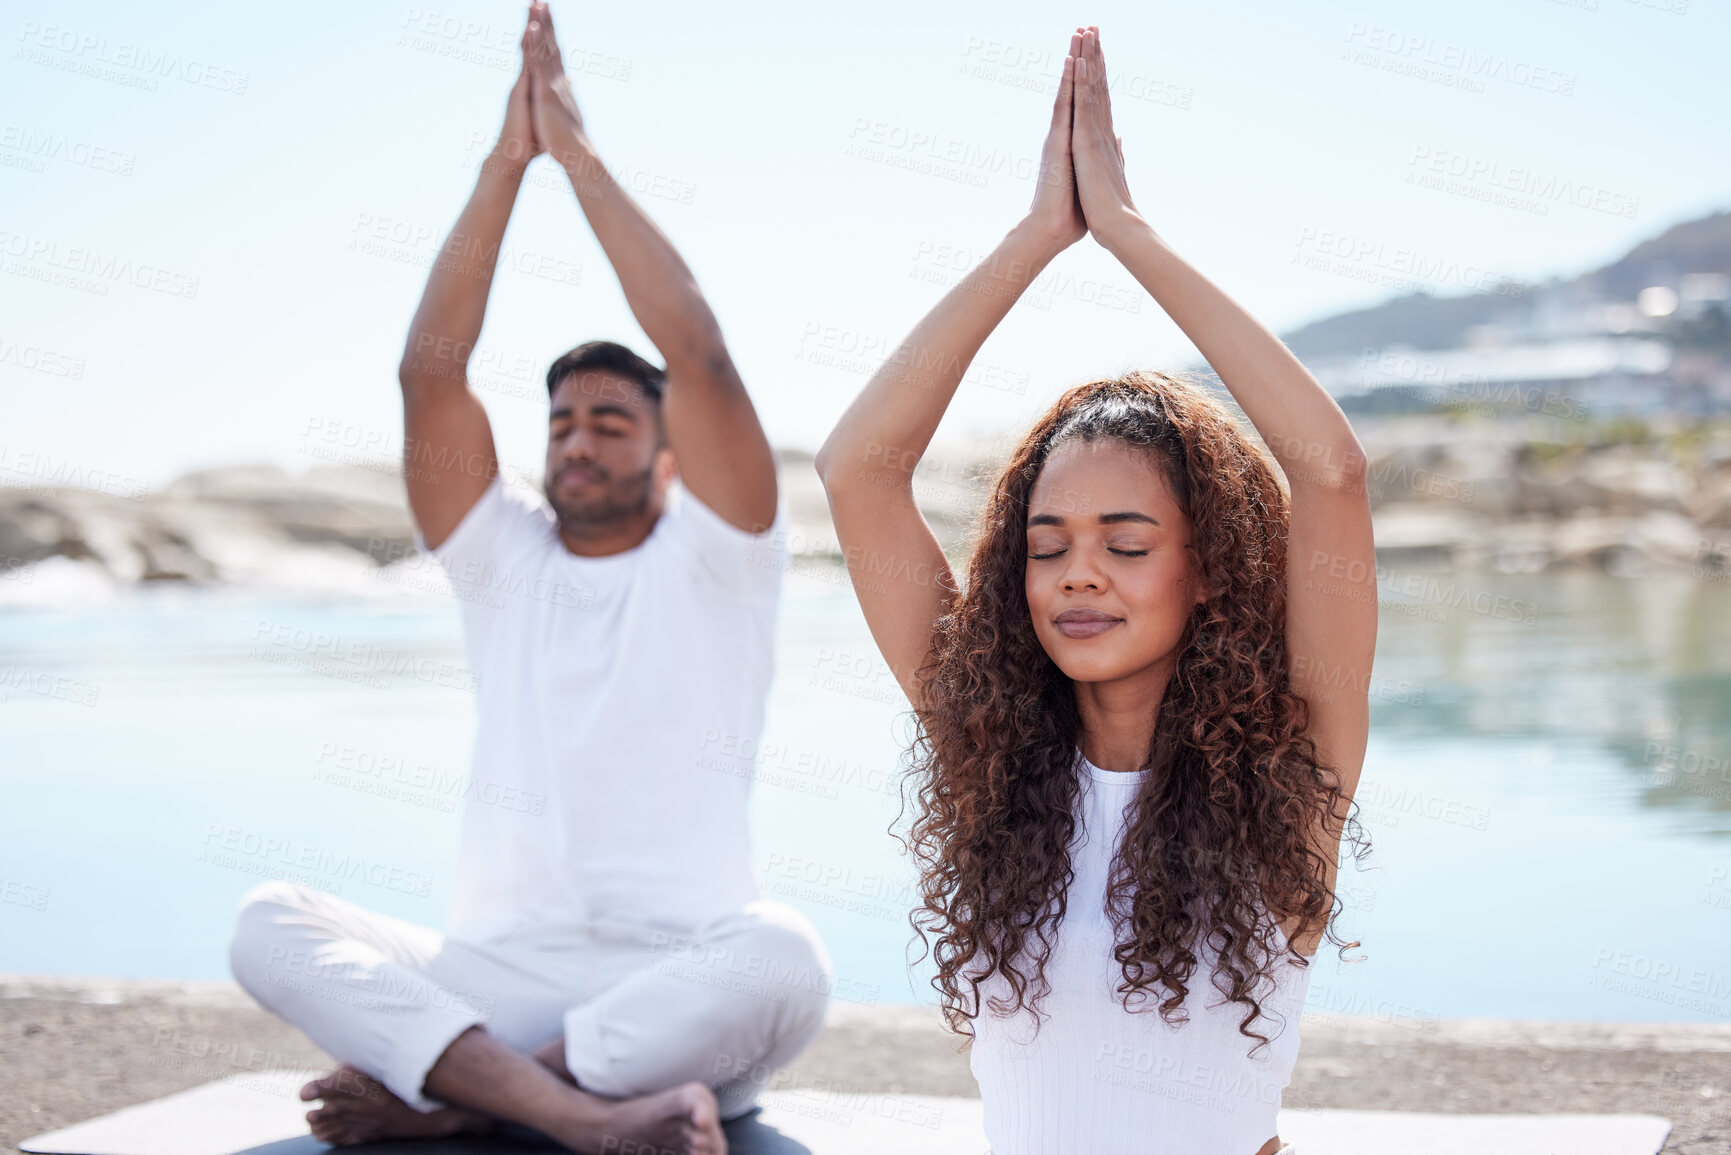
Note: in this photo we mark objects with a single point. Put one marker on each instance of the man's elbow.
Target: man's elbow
(825, 464)
(417, 377)
(411, 371)
(415, 389)
(702, 356)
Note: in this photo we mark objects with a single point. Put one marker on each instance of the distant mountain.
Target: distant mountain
(1417, 319)
(1702, 246)
(1425, 322)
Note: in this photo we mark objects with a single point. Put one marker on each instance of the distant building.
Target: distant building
(1647, 334)
(1570, 378)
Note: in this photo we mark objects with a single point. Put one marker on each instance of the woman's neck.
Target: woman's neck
(1118, 718)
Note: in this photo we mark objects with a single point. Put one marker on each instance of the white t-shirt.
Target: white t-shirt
(619, 704)
(1099, 1078)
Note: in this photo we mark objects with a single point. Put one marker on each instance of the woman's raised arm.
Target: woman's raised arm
(900, 575)
(1331, 559)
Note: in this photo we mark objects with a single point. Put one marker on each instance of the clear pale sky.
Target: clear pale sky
(823, 170)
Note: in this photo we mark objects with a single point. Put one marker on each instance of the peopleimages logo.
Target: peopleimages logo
(226, 845)
(315, 651)
(89, 269)
(22, 679)
(416, 782)
(1544, 188)
(1660, 980)
(136, 65)
(1369, 258)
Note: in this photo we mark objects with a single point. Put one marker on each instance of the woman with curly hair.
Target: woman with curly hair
(1142, 718)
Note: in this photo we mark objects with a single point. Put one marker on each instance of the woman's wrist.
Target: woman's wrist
(507, 159)
(1030, 242)
(576, 155)
(1122, 228)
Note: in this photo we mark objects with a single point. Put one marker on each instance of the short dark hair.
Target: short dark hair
(611, 357)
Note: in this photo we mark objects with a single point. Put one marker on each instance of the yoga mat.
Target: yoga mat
(259, 1114)
(1330, 1132)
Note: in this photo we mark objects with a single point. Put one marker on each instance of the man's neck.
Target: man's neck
(586, 540)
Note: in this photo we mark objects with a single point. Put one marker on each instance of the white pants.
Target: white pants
(640, 1010)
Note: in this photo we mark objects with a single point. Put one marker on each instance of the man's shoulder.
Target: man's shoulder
(726, 556)
(507, 525)
(690, 512)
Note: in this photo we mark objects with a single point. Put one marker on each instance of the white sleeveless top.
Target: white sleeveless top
(1098, 1078)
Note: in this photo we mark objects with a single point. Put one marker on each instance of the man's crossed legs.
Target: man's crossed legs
(606, 1038)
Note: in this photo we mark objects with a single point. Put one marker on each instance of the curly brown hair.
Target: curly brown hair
(1221, 826)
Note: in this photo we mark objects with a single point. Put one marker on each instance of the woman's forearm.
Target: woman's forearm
(1303, 427)
(892, 421)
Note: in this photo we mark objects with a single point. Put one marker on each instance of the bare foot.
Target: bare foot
(685, 1120)
(359, 1109)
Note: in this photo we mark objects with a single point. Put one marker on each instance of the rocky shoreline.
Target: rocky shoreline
(1507, 495)
(74, 1048)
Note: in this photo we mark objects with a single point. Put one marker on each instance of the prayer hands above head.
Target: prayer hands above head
(558, 123)
(517, 143)
(1101, 186)
(1056, 213)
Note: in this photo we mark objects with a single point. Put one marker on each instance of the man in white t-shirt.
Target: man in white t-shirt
(609, 976)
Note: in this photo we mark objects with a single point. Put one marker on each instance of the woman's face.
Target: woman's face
(1111, 578)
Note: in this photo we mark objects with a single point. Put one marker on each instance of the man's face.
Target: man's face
(606, 461)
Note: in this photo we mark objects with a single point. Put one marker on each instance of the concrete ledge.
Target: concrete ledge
(1557, 1035)
(927, 1022)
(72, 1049)
(102, 991)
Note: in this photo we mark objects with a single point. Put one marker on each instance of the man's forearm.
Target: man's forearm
(658, 285)
(454, 305)
(552, 1056)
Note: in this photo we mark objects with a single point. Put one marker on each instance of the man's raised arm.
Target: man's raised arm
(724, 457)
(448, 453)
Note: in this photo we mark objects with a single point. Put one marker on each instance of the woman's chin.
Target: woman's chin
(1093, 660)
(1100, 666)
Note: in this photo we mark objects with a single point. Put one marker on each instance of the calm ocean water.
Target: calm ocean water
(1547, 788)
